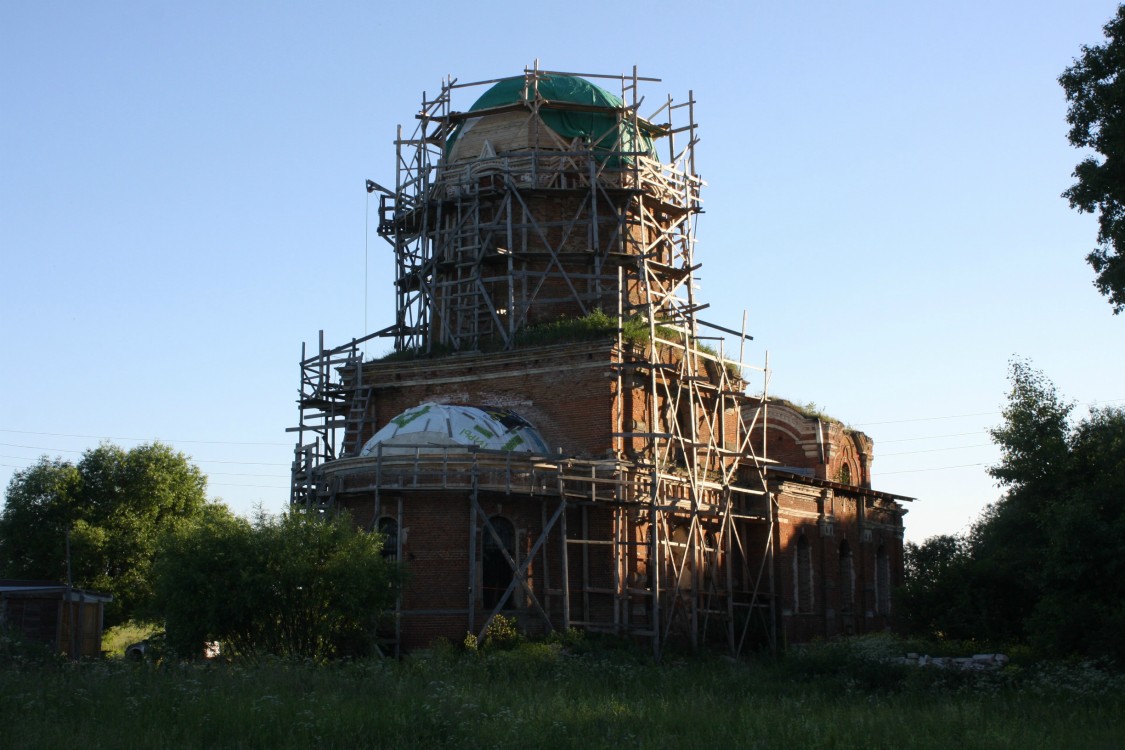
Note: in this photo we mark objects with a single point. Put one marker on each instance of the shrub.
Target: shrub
(300, 585)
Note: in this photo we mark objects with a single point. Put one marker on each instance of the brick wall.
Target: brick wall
(565, 391)
(833, 521)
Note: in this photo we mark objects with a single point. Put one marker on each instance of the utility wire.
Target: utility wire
(935, 450)
(142, 440)
(1088, 404)
(932, 437)
(209, 473)
(927, 419)
(915, 471)
(193, 458)
(256, 486)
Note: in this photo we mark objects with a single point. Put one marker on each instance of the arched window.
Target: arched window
(844, 475)
(882, 581)
(847, 578)
(388, 527)
(804, 576)
(496, 572)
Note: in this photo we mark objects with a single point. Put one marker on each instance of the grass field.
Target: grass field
(555, 696)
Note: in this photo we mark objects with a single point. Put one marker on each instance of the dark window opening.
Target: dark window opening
(804, 576)
(847, 578)
(496, 572)
(882, 581)
(388, 527)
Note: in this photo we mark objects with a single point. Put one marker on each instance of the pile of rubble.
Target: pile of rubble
(976, 662)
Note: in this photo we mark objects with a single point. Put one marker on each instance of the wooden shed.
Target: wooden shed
(69, 620)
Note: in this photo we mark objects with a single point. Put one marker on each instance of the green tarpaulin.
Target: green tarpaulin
(602, 129)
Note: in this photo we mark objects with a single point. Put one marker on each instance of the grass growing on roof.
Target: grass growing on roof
(593, 326)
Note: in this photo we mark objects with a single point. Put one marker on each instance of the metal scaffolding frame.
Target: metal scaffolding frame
(489, 246)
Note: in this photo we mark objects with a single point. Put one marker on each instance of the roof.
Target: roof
(555, 88)
(50, 589)
(596, 118)
(444, 425)
(789, 474)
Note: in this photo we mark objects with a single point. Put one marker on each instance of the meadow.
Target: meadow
(559, 695)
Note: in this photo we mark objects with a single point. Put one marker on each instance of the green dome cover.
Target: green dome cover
(552, 88)
(601, 128)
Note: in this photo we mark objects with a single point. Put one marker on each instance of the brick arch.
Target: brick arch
(846, 452)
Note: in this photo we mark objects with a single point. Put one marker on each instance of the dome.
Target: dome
(446, 425)
(512, 131)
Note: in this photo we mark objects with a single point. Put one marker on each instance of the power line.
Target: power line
(1087, 404)
(236, 474)
(256, 486)
(193, 458)
(210, 473)
(935, 450)
(142, 440)
(928, 419)
(915, 471)
(932, 437)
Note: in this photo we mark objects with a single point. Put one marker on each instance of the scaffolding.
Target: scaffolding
(674, 536)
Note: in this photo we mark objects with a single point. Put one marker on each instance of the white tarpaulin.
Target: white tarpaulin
(448, 425)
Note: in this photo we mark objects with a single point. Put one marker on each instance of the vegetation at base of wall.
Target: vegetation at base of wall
(297, 585)
(500, 634)
(17, 652)
(554, 695)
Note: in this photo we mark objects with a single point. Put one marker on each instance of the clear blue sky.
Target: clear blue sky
(182, 204)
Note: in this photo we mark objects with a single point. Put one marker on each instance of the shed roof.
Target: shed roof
(50, 589)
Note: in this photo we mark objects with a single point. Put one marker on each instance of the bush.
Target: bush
(299, 585)
(18, 652)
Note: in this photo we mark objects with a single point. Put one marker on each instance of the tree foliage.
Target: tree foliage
(115, 505)
(1095, 92)
(1033, 437)
(930, 601)
(296, 585)
(1046, 563)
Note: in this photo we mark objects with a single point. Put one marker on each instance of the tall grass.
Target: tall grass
(555, 696)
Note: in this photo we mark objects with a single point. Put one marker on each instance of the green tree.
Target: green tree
(1007, 543)
(1046, 563)
(296, 585)
(933, 600)
(1033, 437)
(1081, 606)
(1095, 92)
(114, 505)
